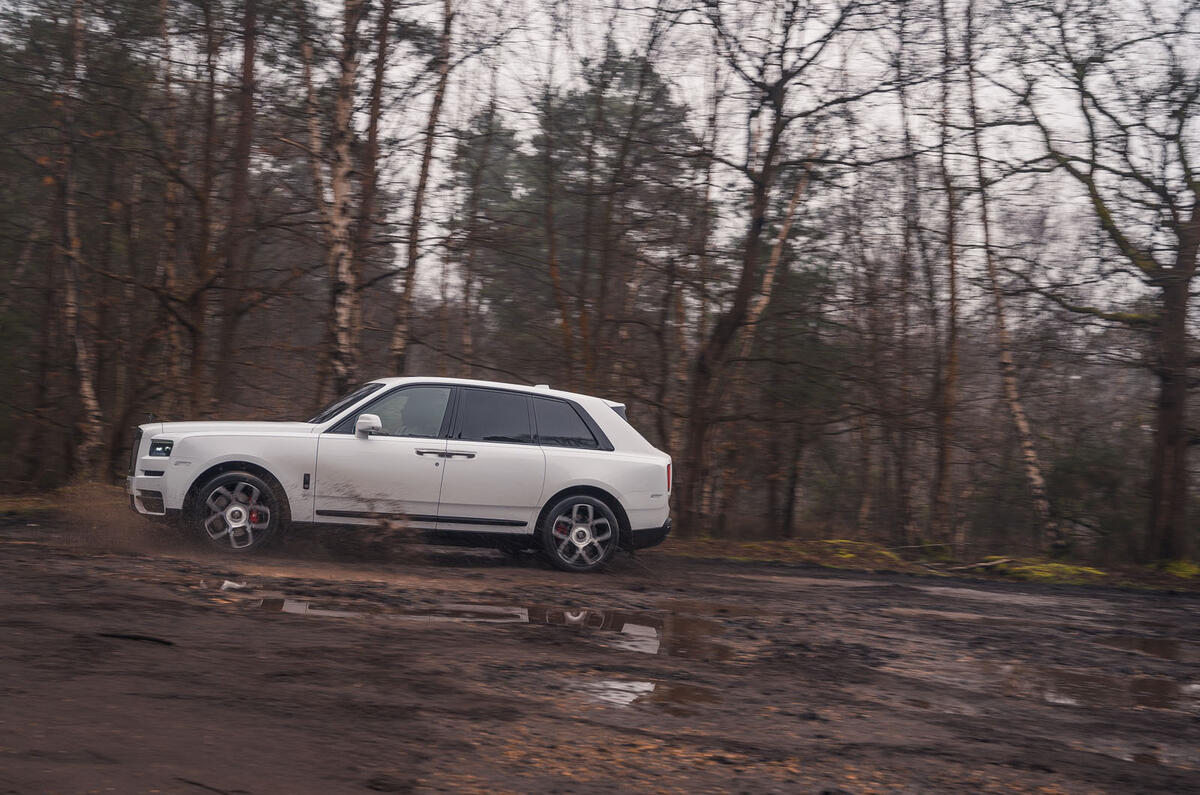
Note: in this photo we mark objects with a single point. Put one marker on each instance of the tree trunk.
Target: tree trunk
(236, 257)
(1008, 367)
(340, 257)
(168, 278)
(474, 198)
(316, 165)
(788, 521)
(199, 390)
(370, 162)
(403, 316)
(1167, 533)
(940, 520)
(91, 424)
(712, 353)
(34, 460)
(548, 224)
(754, 316)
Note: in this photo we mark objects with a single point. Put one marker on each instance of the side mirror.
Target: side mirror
(367, 424)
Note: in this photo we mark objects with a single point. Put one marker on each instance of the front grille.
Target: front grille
(133, 454)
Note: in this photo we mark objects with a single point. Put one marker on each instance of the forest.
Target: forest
(910, 271)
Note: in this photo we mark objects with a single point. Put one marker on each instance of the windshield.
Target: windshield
(335, 408)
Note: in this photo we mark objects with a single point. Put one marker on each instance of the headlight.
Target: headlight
(161, 448)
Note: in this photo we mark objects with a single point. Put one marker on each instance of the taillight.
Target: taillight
(668, 478)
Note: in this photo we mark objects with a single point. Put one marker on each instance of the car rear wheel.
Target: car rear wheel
(580, 533)
(237, 511)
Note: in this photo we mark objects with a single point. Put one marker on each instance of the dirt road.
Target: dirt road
(339, 668)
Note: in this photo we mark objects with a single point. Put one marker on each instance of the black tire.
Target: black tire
(579, 533)
(238, 512)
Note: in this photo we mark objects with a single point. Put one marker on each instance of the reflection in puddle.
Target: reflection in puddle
(1166, 648)
(1077, 688)
(617, 691)
(670, 635)
(303, 608)
(625, 692)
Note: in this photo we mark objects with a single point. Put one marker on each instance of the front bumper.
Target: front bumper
(651, 537)
(145, 495)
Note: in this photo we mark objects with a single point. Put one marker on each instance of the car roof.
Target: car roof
(540, 389)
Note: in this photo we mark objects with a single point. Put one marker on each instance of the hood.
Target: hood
(229, 426)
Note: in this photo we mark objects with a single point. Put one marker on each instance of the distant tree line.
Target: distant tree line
(917, 272)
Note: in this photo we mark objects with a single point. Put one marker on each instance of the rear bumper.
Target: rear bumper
(651, 537)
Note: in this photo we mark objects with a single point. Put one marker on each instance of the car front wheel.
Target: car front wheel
(237, 511)
(580, 533)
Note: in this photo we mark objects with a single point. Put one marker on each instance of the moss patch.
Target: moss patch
(844, 554)
(1036, 570)
(1184, 569)
(836, 553)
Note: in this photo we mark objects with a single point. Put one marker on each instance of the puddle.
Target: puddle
(624, 692)
(616, 691)
(303, 608)
(698, 607)
(1015, 598)
(1164, 752)
(1068, 688)
(671, 635)
(796, 579)
(944, 615)
(1166, 648)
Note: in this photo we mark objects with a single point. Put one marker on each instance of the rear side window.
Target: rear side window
(488, 416)
(559, 425)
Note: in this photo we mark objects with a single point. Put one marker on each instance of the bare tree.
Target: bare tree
(91, 424)
(941, 522)
(785, 60)
(402, 317)
(1008, 365)
(1134, 81)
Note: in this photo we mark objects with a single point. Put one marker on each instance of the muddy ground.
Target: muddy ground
(355, 665)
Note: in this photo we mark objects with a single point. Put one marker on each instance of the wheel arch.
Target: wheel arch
(236, 466)
(592, 491)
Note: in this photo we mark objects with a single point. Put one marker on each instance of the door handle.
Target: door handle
(463, 453)
(438, 453)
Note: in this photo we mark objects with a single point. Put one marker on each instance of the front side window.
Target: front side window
(415, 411)
(559, 425)
(494, 417)
(345, 401)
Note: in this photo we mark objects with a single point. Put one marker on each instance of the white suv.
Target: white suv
(465, 462)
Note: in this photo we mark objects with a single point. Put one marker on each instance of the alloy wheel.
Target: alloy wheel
(236, 511)
(582, 536)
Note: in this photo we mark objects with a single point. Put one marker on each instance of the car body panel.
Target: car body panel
(381, 476)
(493, 481)
(287, 450)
